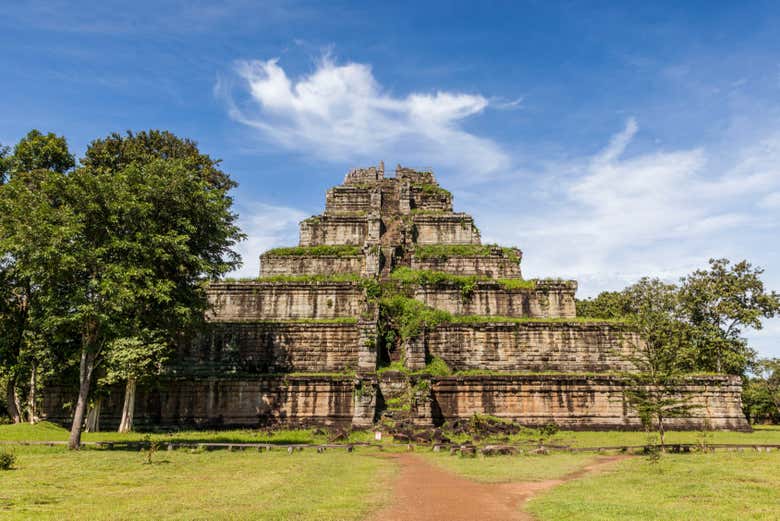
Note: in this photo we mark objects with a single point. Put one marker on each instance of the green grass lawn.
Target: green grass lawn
(54, 483)
(45, 431)
(501, 469)
(691, 487)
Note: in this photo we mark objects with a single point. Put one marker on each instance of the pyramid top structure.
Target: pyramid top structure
(373, 224)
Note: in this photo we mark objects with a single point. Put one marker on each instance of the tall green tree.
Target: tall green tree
(34, 226)
(721, 302)
(29, 180)
(152, 228)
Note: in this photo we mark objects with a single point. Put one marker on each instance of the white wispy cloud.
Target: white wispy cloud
(267, 226)
(341, 113)
(612, 218)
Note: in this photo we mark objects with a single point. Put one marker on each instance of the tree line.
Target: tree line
(696, 326)
(104, 260)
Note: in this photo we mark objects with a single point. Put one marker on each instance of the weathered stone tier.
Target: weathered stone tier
(270, 347)
(452, 228)
(249, 300)
(581, 402)
(272, 265)
(528, 346)
(496, 265)
(546, 300)
(334, 230)
(223, 402)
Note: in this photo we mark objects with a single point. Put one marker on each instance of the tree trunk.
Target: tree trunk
(32, 415)
(86, 366)
(126, 424)
(661, 432)
(93, 416)
(12, 401)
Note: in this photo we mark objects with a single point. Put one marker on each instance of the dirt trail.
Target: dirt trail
(425, 492)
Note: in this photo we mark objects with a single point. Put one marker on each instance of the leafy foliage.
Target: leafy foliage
(761, 392)
(37, 151)
(720, 303)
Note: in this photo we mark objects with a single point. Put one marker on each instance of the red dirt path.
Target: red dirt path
(424, 492)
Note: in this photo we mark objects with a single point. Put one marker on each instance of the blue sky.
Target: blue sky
(606, 140)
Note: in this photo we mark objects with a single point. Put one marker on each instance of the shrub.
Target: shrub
(7, 460)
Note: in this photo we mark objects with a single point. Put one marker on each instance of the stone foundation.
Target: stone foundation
(223, 403)
(578, 402)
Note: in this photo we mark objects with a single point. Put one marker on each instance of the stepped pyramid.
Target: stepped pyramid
(310, 342)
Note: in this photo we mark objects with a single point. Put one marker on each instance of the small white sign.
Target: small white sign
(378, 436)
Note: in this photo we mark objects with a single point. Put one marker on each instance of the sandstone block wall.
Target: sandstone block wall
(421, 199)
(456, 228)
(220, 402)
(347, 200)
(269, 347)
(533, 346)
(494, 266)
(581, 402)
(283, 300)
(546, 301)
(333, 230)
(271, 265)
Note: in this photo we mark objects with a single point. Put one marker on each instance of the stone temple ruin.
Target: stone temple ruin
(313, 341)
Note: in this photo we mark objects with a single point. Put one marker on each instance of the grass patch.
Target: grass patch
(432, 189)
(409, 277)
(503, 469)
(337, 320)
(316, 251)
(444, 251)
(482, 319)
(53, 483)
(308, 279)
(720, 486)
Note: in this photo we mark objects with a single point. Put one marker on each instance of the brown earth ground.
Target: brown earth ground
(424, 492)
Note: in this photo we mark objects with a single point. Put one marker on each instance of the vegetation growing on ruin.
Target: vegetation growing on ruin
(433, 189)
(410, 278)
(336, 320)
(484, 319)
(444, 251)
(316, 251)
(336, 277)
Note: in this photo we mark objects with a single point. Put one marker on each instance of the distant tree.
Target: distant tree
(761, 393)
(608, 305)
(661, 357)
(37, 151)
(720, 303)
(131, 359)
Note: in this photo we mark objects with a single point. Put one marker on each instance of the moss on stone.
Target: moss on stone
(316, 251)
